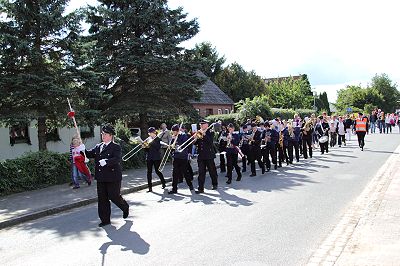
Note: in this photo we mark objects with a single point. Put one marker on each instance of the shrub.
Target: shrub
(250, 108)
(284, 114)
(121, 131)
(226, 119)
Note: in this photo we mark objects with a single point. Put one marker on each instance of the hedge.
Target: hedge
(36, 170)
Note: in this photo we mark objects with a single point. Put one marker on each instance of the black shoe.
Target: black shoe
(199, 191)
(125, 214)
(229, 181)
(104, 224)
(275, 167)
(362, 148)
(214, 187)
(268, 169)
(150, 190)
(75, 187)
(163, 186)
(253, 174)
(191, 188)
(239, 178)
(172, 192)
(263, 171)
(89, 183)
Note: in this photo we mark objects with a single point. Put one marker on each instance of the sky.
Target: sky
(336, 43)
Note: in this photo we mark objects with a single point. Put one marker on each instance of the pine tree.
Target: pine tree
(38, 70)
(138, 57)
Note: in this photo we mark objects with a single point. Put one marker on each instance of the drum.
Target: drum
(323, 139)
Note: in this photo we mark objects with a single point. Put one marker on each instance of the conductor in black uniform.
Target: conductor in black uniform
(206, 155)
(107, 158)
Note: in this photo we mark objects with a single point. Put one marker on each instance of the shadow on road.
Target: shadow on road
(126, 238)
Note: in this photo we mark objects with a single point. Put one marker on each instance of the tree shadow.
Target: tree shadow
(126, 238)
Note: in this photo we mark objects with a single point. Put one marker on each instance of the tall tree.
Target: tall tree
(207, 58)
(37, 67)
(323, 99)
(359, 98)
(239, 84)
(390, 94)
(136, 53)
(291, 93)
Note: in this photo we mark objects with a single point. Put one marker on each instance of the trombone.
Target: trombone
(198, 135)
(143, 144)
(168, 151)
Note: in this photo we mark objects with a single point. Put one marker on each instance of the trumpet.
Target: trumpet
(198, 135)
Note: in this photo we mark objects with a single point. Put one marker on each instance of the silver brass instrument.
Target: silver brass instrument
(198, 135)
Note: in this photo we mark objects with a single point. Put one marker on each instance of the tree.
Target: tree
(253, 107)
(323, 99)
(37, 65)
(137, 56)
(239, 84)
(359, 98)
(291, 93)
(207, 58)
(388, 90)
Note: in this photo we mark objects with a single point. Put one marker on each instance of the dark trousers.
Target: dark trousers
(156, 164)
(189, 171)
(341, 139)
(205, 165)
(360, 137)
(245, 151)
(107, 191)
(179, 172)
(307, 142)
(255, 154)
(282, 156)
(324, 147)
(222, 163)
(333, 139)
(232, 162)
(269, 150)
(293, 145)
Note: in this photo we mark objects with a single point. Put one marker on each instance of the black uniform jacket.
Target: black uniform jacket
(205, 147)
(153, 151)
(111, 172)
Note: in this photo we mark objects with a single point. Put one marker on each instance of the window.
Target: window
(52, 134)
(226, 111)
(19, 134)
(219, 111)
(87, 132)
(209, 112)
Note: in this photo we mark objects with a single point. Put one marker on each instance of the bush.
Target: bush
(121, 131)
(284, 114)
(33, 171)
(226, 119)
(250, 108)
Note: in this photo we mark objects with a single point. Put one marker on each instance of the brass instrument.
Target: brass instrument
(168, 151)
(291, 129)
(251, 138)
(144, 144)
(307, 126)
(281, 139)
(198, 135)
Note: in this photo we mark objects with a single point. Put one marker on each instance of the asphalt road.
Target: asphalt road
(278, 218)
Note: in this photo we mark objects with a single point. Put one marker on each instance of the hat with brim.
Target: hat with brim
(203, 121)
(175, 127)
(151, 130)
(109, 129)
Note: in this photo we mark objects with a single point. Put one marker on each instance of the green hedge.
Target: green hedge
(226, 119)
(36, 170)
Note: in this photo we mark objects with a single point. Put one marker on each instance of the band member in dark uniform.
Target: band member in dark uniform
(232, 151)
(222, 147)
(270, 137)
(152, 147)
(322, 130)
(293, 143)
(306, 136)
(206, 155)
(255, 150)
(107, 158)
(283, 143)
(244, 146)
(180, 160)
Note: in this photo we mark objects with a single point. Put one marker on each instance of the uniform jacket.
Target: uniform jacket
(235, 142)
(111, 172)
(153, 151)
(182, 137)
(205, 147)
(222, 142)
(256, 139)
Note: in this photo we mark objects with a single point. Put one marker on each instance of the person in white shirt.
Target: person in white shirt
(341, 132)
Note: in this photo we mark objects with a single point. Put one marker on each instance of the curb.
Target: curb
(70, 206)
(369, 200)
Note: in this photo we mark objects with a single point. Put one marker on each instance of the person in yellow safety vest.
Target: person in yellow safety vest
(361, 129)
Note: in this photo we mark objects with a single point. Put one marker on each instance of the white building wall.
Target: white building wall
(10, 152)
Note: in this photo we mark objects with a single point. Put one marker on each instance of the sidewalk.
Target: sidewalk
(30, 205)
(369, 232)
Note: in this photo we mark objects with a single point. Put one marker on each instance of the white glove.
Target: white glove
(103, 162)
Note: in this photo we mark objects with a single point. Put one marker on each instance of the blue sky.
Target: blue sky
(336, 43)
